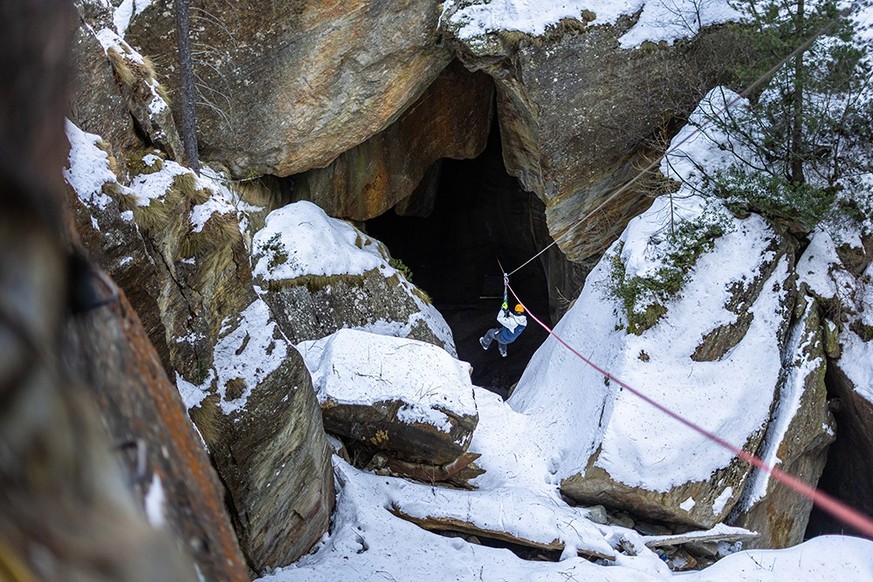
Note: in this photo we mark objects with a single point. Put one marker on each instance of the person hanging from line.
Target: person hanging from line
(511, 325)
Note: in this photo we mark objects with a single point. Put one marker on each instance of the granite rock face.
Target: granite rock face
(283, 88)
(175, 240)
(580, 116)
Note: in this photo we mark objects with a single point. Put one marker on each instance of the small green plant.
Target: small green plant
(276, 251)
(644, 296)
(402, 267)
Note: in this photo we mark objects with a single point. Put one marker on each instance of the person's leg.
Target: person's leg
(502, 348)
(485, 340)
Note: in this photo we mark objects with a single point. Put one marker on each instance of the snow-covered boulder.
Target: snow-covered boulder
(613, 448)
(692, 307)
(321, 274)
(398, 395)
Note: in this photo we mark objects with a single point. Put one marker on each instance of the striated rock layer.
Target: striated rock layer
(450, 120)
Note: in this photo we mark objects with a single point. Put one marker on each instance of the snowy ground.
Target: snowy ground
(367, 542)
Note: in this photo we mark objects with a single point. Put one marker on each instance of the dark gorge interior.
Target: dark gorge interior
(465, 216)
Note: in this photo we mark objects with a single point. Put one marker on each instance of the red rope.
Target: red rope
(836, 508)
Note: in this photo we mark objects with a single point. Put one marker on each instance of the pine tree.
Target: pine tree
(186, 74)
(805, 127)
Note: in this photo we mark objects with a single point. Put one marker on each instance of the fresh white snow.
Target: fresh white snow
(356, 367)
(660, 20)
(154, 502)
(88, 167)
(841, 558)
(126, 11)
(301, 239)
(249, 350)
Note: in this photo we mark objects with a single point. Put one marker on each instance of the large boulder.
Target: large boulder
(259, 418)
(712, 357)
(583, 102)
(286, 88)
(176, 239)
(320, 274)
(399, 395)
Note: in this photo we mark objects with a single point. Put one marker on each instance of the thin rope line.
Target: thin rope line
(836, 508)
(709, 120)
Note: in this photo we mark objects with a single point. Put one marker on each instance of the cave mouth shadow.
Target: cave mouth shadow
(469, 214)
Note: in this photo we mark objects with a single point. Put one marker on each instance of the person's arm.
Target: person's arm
(505, 319)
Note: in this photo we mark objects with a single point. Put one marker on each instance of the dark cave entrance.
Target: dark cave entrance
(479, 213)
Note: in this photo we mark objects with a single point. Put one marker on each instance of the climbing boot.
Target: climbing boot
(502, 348)
(483, 344)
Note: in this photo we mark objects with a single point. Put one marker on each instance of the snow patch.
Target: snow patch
(88, 167)
(660, 20)
(529, 16)
(154, 503)
(301, 239)
(126, 11)
(201, 213)
(154, 186)
(719, 503)
(672, 20)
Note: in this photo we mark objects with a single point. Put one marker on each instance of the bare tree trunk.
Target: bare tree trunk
(186, 73)
(796, 147)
